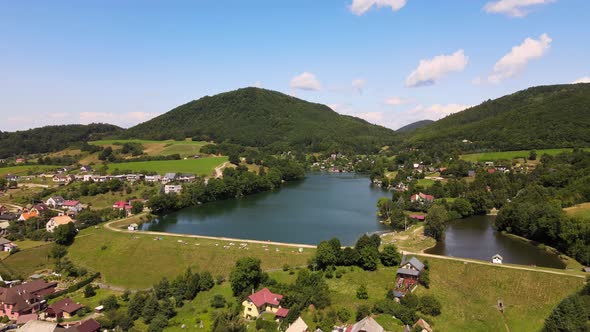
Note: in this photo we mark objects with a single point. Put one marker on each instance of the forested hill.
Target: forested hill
(538, 117)
(413, 126)
(51, 138)
(264, 118)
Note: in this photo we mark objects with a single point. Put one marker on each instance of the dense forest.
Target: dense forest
(263, 118)
(51, 138)
(538, 117)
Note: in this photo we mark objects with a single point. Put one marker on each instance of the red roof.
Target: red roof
(265, 296)
(416, 216)
(64, 305)
(70, 203)
(491, 171)
(282, 312)
(89, 325)
(120, 204)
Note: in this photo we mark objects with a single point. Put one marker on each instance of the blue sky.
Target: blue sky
(391, 62)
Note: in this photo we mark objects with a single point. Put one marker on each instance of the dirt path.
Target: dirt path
(219, 169)
(109, 226)
(514, 267)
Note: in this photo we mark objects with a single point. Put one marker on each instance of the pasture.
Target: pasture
(201, 166)
(186, 148)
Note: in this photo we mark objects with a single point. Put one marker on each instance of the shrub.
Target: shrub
(268, 326)
(361, 293)
(218, 301)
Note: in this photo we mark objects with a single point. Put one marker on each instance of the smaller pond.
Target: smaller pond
(474, 237)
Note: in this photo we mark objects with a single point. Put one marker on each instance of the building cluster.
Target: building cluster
(26, 304)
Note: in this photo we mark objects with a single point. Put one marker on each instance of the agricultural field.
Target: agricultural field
(26, 262)
(509, 155)
(186, 148)
(201, 166)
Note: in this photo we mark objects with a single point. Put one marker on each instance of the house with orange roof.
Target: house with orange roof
(28, 215)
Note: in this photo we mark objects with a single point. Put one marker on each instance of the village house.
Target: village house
(25, 298)
(152, 178)
(55, 201)
(20, 160)
(367, 324)
(264, 301)
(169, 177)
(422, 326)
(7, 245)
(133, 227)
(74, 206)
(55, 222)
(11, 177)
(85, 169)
(407, 276)
(421, 198)
(89, 325)
(28, 215)
(121, 205)
(64, 308)
(8, 216)
(298, 326)
(186, 177)
(172, 189)
(63, 179)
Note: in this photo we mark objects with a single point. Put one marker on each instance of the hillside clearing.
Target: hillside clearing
(186, 148)
(26, 169)
(509, 155)
(580, 210)
(201, 166)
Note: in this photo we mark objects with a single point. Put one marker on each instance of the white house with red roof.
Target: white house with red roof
(70, 205)
(264, 301)
(422, 198)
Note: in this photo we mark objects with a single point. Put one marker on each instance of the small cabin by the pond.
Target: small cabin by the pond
(407, 276)
(497, 259)
(133, 227)
(264, 301)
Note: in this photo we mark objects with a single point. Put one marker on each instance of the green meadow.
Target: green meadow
(185, 148)
(201, 166)
(509, 155)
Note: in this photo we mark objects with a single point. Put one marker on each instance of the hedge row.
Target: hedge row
(73, 287)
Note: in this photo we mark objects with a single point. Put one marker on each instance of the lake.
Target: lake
(474, 237)
(320, 207)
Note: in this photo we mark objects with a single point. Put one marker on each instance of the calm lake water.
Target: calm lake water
(474, 237)
(318, 208)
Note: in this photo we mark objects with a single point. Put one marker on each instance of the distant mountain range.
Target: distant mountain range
(264, 118)
(538, 117)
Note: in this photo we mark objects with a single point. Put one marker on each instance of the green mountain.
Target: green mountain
(414, 125)
(538, 117)
(264, 118)
(51, 138)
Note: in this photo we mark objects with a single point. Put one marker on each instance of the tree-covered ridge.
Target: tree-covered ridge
(263, 118)
(538, 117)
(414, 126)
(51, 138)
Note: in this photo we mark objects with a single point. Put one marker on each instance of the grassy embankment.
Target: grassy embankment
(509, 155)
(26, 169)
(201, 166)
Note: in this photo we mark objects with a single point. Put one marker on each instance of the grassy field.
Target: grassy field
(425, 183)
(26, 262)
(201, 166)
(159, 148)
(469, 293)
(26, 169)
(509, 155)
(412, 240)
(580, 210)
(119, 256)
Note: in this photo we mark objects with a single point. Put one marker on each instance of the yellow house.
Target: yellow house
(264, 301)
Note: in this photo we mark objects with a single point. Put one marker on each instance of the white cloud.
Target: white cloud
(258, 84)
(372, 117)
(396, 101)
(306, 81)
(513, 8)
(57, 115)
(359, 7)
(585, 79)
(123, 119)
(517, 59)
(430, 71)
(437, 111)
(358, 84)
